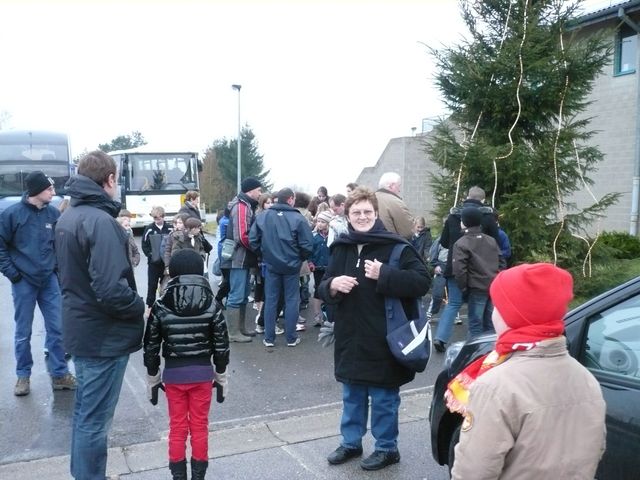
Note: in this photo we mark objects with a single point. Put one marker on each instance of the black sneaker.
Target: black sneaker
(342, 454)
(379, 459)
(439, 345)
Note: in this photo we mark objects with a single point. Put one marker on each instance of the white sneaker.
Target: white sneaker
(294, 343)
(279, 331)
(301, 319)
(458, 320)
(268, 344)
(259, 329)
(300, 327)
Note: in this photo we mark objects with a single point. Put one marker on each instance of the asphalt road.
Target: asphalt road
(264, 384)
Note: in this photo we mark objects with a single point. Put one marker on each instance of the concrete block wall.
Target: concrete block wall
(407, 157)
(613, 114)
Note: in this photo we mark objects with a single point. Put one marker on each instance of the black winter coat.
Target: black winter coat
(189, 210)
(188, 324)
(452, 230)
(361, 352)
(101, 310)
(149, 231)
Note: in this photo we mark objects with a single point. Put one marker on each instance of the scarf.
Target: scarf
(517, 339)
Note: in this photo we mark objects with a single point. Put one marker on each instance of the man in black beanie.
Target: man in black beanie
(27, 259)
(242, 213)
(474, 263)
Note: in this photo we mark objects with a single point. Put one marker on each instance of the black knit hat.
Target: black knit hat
(250, 183)
(37, 182)
(186, 262)
(471, 217)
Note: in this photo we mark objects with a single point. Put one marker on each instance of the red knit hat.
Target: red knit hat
(532, 294)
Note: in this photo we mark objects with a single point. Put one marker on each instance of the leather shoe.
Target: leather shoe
(439, 345)
(342, 454)
(380, 459)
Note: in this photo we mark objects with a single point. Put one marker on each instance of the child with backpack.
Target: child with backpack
(188, 326)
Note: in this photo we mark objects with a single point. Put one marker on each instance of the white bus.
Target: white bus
(23, 151)
(151, 177)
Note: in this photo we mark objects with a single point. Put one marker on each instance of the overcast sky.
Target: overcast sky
(325, 85)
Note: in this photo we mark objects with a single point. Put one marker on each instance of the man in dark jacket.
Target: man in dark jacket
(27, 260)
(102, 313)
(475, 265)
(450, 234)
(284, 238)
(242, 212)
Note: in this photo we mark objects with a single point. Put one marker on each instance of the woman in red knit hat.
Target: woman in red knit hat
(524, 402)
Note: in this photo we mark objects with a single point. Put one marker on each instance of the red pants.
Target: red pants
(188, 414)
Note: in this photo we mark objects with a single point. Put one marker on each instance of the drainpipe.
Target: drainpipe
(635, 188)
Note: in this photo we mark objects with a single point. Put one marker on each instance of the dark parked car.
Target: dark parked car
(604, 335)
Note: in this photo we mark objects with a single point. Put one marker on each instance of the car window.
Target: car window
(612, 342)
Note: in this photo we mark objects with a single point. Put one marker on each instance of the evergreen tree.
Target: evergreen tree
(123, 142)
(516, 89)
(219, 177)
(251, 163)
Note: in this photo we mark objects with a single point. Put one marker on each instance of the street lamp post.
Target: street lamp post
(238, 87)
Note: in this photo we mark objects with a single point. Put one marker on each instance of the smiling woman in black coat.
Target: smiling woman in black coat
(356, 282)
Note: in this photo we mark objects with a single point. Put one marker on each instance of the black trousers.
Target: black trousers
(155, 272)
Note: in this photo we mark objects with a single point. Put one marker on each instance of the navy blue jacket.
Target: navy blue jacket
(320, 255)
(101, 310)
(283, 237)
(26, 242)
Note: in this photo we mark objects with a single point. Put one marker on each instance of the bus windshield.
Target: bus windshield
(162, 171)
(34, 153)
(12, 177)
(23, 151)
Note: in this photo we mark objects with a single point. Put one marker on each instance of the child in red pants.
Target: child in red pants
(188, 323)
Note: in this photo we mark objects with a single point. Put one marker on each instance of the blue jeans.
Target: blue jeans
(274, 284)
(437, 293)
(99, 383)
(48, 298)
(239, 287)
(385, 403)
(448, 316)
(480, 310)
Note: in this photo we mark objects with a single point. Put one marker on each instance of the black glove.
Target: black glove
(153, 385)
(221, 385)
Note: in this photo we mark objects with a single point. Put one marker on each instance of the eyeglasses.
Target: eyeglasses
(360, 213)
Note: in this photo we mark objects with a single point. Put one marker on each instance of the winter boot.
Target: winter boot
(233, 325)
(178, 470)
(249, 332)
(198, 469)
